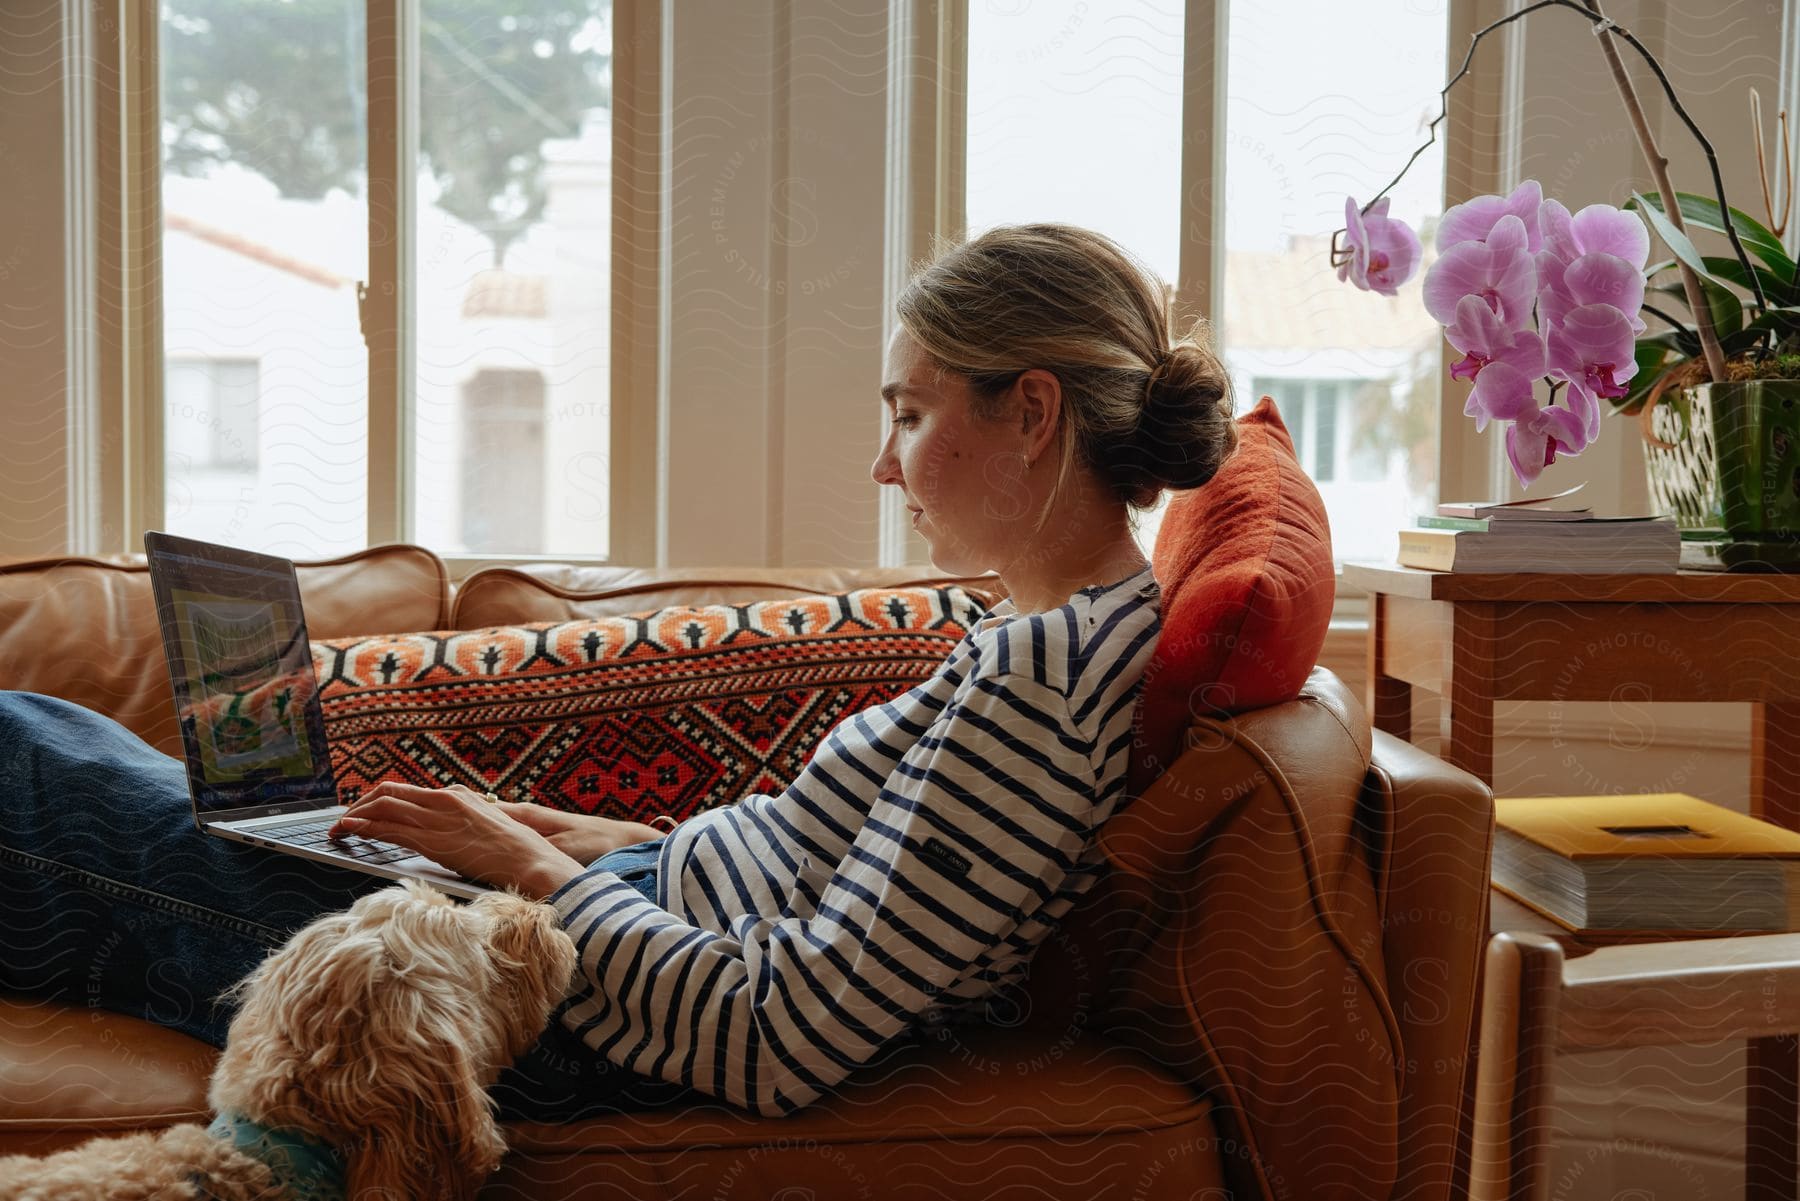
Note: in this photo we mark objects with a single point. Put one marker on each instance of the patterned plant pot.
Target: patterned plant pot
(1732, 481)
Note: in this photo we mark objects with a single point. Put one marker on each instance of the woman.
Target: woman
(758, 952)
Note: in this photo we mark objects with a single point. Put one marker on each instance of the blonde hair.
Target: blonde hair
(1142, 412)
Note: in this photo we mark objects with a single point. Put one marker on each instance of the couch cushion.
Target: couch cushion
(498, 596)
(85, 629)
(671, 711)
(991, 1112)
(1247, 589)
(67, 1072)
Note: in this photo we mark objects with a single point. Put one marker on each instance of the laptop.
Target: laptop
(247, 700)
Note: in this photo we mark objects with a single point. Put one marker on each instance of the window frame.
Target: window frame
(1474, 163)
(128, 396)
(924, 156)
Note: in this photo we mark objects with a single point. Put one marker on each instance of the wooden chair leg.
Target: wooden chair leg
(1509, 1154)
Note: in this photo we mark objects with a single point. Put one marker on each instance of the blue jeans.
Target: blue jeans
(111, 898)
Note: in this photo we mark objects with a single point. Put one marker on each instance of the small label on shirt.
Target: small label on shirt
(945, 857)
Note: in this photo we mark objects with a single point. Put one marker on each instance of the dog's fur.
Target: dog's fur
(376, 1031)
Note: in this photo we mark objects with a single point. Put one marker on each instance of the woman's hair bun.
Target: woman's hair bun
(1185, 431)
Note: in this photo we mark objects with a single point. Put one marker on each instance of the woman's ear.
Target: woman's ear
(1040, 411)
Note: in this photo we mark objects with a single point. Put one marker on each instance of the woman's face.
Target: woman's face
(966, 480)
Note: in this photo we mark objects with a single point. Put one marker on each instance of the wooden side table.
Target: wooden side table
(1690, 636)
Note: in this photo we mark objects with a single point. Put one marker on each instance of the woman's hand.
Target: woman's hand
(582, 836)
(465, 832)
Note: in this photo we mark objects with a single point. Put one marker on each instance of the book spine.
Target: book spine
(1429, 522)
(1433, 550)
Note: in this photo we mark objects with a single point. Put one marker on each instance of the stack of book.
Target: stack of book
(1526, 535)
(1655, 863)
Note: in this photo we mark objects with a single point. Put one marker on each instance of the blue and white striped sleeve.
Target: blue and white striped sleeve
(978, 825)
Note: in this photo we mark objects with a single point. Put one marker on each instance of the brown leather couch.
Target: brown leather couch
(1269, 995)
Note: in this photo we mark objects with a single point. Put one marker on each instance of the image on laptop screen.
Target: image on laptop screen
(245, 690)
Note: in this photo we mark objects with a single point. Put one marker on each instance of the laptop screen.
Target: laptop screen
(246, 696)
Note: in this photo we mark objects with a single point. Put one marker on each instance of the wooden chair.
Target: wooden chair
(1536, 1003)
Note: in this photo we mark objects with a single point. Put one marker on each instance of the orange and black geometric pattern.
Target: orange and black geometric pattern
(673, 711)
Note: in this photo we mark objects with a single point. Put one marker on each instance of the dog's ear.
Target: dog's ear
(430, 1132)
(535, 960)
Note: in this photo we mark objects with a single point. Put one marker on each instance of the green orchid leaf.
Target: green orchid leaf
(1727, 309)
(1650, 363)
(1740, 341)
(1705, 213)
(1673, 238)
(1732, 272)
(1785, 323)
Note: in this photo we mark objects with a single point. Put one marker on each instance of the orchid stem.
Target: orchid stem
(1591, 11)
(1444, 93)
(1659, 171)
(1662, 316)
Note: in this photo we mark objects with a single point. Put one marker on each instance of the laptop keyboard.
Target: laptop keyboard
(311, 833)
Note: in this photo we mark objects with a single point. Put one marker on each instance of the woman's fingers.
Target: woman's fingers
(428, 798)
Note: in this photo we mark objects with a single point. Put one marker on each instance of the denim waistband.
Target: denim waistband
(635, 864)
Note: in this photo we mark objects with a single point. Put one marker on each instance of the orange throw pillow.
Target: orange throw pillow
(1247, 588)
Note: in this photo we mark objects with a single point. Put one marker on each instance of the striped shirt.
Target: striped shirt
(930, 845)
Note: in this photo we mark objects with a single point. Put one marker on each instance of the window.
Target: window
(267, 183)
(264, 235)
(1075, 114)
(1354, 375)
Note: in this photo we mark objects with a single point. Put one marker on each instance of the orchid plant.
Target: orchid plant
(1531, 294)
(1526, 293)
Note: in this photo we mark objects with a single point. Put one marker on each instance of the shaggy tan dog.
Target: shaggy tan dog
(374, 1034)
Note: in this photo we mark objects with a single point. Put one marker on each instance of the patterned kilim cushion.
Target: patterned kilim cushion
(674, 711)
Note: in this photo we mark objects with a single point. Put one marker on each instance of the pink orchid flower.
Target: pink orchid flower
(1594, 278)
(1595, 257)
(1503, 392)
(1500, 271)
(1473, 220)
(1598, 228)
(1504, 363)
(1382, 252)
(1533, 440)
(1592, 349)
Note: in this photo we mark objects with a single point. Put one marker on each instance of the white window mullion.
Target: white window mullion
(138, 372)
(386, 300)
(81, 404)
(1204, 60)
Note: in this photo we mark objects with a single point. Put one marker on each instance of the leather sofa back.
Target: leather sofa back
(498, 596)
(85, 629)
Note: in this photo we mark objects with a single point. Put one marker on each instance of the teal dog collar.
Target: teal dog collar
(308, 1169)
